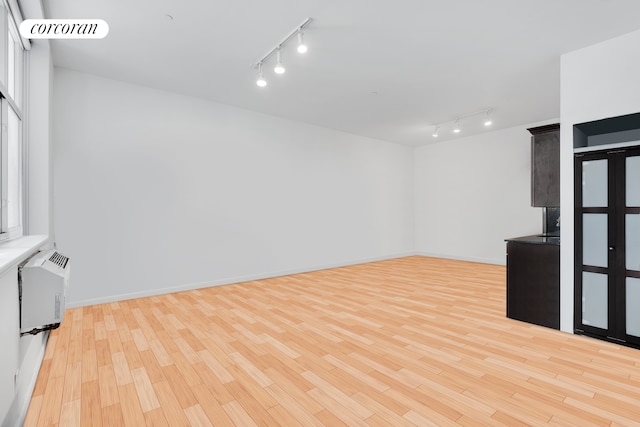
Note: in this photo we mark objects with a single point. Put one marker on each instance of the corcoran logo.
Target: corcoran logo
(64, 29)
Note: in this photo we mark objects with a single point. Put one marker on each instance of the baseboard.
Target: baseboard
(230, 280)
(29, 369)
(464, 258)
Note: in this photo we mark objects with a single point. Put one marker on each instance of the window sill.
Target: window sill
(17, 250)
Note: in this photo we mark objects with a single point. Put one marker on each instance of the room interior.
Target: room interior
(158, 166)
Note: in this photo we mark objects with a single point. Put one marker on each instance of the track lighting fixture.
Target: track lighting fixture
(487, 121)
(302, 48)
(261, 81)
(279, 67)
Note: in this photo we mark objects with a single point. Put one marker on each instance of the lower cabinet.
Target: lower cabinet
(533, 283)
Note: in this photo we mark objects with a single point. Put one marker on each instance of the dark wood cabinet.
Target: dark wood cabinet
(533, 280)
(545, 166)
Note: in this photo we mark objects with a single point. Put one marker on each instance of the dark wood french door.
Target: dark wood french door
(607, 245)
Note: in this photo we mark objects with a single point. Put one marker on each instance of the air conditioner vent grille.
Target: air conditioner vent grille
(59, 259)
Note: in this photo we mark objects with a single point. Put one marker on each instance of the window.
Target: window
(12, 123)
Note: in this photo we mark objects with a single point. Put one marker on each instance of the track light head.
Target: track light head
(302, 48)
(487, 118)
(261, 81)
(435, 132)
(279, 68)
(457, 129)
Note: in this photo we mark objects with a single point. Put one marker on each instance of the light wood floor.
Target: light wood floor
(413, 341)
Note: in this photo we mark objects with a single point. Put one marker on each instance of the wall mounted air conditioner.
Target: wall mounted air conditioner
(43, 281)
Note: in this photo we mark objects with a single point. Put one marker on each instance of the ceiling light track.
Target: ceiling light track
(456, 121)
(279, 67)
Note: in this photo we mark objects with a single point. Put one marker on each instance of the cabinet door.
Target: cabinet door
(533, 283)
(545, 166)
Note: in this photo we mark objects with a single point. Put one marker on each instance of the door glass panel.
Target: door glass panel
(633, 306)
(594, 240)
(594, 183)
(633, 181)
(594, 300)
(632, 237)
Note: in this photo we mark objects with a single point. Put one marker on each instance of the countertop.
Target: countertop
(536, 239)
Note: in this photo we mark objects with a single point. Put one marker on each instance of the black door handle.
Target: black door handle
(611, 249)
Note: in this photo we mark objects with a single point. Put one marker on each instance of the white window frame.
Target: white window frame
(17, 103)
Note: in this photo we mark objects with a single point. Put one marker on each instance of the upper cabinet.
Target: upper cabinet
(545, 166)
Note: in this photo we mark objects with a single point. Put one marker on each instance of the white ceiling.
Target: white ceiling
(378, 68)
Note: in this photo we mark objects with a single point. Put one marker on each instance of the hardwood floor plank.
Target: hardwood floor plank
(160, 353)
(296, 388)
(197, 417)
(72, 382)
(255, 373)
(338, 395)
(43, 377)
(211, 406)
(173, 411)
(186, 369)
(144, 389)
(155, 418)
(420, 420)
(245, 390)
(179, 385)
(70, 414)
(151, 365)
(238, 415)
(91, 407)
(140, 339)
(187, 351)
(297, 408)
(408, 341)
(121, 368)
(103, 354)
(336, 408)
(212, 383)
(130, 404)
(382, 415)
(216, 367)
(108, 386)
(89, 364)
(351, 372)
(51, 402)
(35, 407)
(132, 355)
(329, 419)
(604, 412)
(284, 417)
(112, 415)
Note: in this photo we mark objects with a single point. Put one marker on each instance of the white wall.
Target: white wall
(9, 334)
(474, 192)
(156, 192)
(597, 82)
